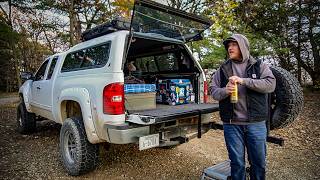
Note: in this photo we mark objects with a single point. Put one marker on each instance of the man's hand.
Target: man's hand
(230, 88)
(235, 79)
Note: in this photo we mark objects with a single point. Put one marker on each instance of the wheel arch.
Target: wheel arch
(76, 102)
(25, 94)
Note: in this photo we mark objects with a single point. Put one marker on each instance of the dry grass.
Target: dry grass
(6, 95)
(36, 156)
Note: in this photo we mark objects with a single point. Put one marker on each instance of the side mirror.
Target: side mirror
(26, 76)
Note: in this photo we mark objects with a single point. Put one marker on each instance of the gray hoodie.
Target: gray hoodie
(266, 83)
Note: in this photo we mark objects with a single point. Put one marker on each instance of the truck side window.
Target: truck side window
(41, 71)
(92, 57)
(52, 67)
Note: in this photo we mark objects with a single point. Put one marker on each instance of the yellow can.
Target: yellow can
(234, 94)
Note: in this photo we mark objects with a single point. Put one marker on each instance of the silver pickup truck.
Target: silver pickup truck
(83, 88)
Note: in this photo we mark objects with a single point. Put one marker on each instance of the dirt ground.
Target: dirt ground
(36, 156)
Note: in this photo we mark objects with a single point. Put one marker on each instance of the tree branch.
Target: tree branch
(7, 18)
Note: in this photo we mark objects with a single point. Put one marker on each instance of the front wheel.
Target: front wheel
(78, 155)
(26, 122)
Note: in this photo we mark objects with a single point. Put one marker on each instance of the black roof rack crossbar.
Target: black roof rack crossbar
(106, 28)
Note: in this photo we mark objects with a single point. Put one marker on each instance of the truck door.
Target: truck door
(46, 94)
(38, 92)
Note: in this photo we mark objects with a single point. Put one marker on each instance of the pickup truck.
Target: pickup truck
(83, 87)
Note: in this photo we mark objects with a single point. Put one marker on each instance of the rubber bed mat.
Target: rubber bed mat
(166, 112)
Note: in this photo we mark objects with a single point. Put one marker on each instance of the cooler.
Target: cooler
(175, 91)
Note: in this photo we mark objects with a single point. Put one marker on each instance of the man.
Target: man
(244, 122)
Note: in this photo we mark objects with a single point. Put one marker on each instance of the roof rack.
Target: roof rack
(106, 28)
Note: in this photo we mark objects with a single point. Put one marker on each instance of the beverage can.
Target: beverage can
(234, 94)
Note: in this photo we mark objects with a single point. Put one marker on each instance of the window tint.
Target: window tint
(167, 62)
(52, 67)
(93, 57)
(146, 64)
(41, 71)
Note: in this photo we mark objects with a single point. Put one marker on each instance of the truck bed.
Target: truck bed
(165, 112)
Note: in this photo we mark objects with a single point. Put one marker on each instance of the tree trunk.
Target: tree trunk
(316, 79)
(299, 42)
(7, 84)
(72, 22)
(77, 26)
(17, 73)
(299, 73)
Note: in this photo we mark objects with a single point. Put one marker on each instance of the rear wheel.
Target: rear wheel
(26, 122)
(287, 99)
(77, 153)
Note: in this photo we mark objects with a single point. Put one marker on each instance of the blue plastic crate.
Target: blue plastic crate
(139, 88)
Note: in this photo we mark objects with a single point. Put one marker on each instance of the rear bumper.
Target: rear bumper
(125, 134)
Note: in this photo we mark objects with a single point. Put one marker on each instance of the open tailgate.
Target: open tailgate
(167, 113)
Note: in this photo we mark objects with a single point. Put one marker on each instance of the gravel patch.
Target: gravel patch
(9, 100)
(36, 156)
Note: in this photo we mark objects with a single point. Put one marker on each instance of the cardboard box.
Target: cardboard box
(140, 101)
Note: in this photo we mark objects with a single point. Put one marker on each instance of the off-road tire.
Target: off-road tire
(26, 122)
(77, 154)
(287, 99)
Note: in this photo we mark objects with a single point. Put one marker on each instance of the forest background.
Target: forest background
(284, 33)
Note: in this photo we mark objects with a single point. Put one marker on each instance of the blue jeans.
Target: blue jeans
(253, 138)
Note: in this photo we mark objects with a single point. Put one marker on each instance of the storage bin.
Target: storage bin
(139, 88)
(140, 101)
(175, 91)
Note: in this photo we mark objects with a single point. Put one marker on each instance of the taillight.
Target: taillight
(205, 89)
(113, 99)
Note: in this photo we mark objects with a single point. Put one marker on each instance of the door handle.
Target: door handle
(38, 87)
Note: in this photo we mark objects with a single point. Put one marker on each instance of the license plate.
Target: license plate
(149, 141)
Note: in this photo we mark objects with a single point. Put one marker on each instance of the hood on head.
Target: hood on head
(242, 42)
